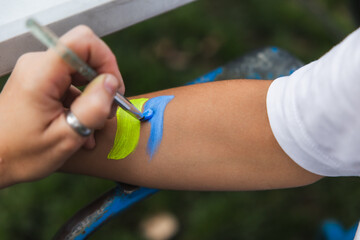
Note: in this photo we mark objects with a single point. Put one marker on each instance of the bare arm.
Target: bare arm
(216, 137)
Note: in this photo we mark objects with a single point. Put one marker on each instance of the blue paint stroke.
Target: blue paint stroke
(147, 114)
(116, 204)
(157, 105)
(209, 77)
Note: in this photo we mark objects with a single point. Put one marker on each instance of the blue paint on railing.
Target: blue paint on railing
(112, 207)
(254, 76)
(209, 77)
(274, 49)
(332, 230)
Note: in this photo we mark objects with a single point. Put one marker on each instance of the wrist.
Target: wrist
(6, 174)
(3, 175)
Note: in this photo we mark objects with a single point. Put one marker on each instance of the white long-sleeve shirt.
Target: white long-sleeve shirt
(315, 112)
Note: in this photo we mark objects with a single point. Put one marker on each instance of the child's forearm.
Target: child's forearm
(216, 137)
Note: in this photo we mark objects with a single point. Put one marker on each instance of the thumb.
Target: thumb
(93, 106)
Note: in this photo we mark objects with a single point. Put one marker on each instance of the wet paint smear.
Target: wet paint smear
(127, 132)
(154, 113)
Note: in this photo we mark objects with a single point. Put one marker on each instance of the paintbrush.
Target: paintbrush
(49, 39)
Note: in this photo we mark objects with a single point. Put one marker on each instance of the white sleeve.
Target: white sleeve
(315, 112)
(357, 235)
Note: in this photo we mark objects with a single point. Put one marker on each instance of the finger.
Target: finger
(74, 92)
(71, 94)
(78, 80)
(53, 75)
(113, 110)
(44, 73)
(90, 142)
(92, 50)
(93, 106)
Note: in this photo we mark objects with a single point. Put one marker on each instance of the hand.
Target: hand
(35, 139)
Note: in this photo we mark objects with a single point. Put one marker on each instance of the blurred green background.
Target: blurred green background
(168, 51)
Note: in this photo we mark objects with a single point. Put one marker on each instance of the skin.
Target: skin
(35, 139)
(216, 137)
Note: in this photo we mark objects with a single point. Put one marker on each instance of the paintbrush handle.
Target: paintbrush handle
(49, 39)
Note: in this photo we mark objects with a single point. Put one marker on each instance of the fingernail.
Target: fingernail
(111, 84)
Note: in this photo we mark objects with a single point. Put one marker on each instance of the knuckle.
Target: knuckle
(29, 88)
(70, 143)
(84, 31)
(25, 59)
(111, 58)
(22, 68)
(78, 38)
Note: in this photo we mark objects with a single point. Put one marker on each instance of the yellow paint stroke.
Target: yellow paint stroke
(127, 133)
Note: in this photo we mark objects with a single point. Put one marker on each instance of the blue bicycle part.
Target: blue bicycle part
(332, 230)
(266, 63)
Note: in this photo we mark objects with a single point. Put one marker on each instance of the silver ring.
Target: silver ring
(78, 127)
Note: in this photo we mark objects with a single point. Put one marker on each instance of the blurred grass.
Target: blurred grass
(168, 51)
